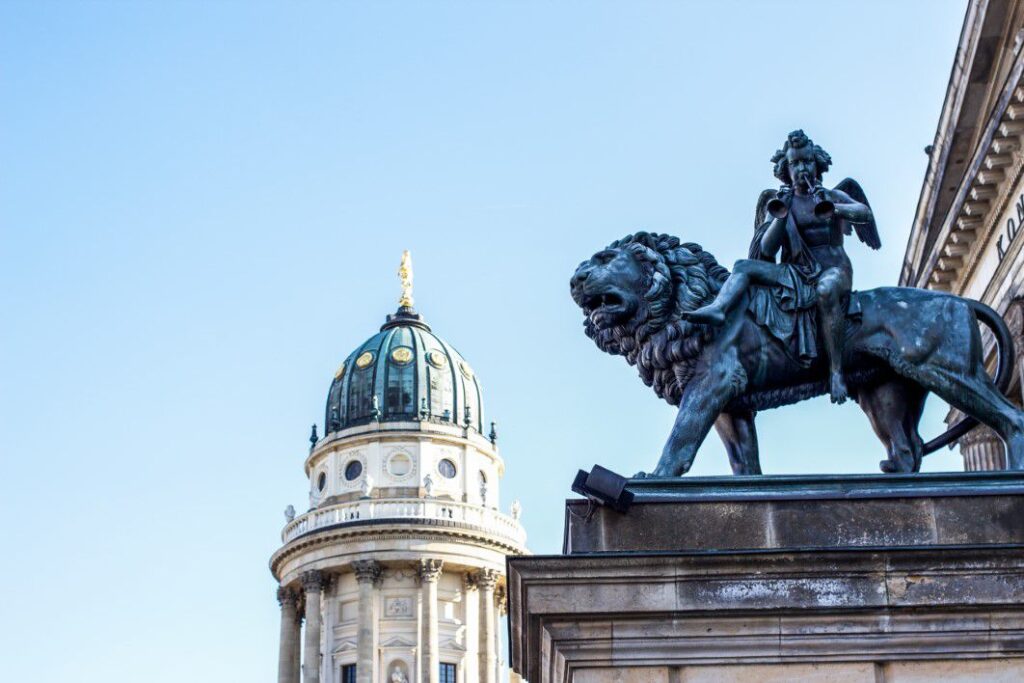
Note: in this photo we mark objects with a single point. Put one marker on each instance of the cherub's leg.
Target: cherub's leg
(745, 273)
(833, 297)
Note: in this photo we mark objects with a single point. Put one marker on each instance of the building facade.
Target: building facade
(396, 572)
(967, 233)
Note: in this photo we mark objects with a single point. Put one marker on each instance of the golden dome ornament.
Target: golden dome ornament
(405, 275)
(401, 354)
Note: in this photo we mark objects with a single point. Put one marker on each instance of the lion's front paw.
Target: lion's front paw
(641, 475)
(838, 390)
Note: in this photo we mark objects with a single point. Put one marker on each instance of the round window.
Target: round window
(353, 469)
(447, 468)
(321, 481)
(399, 465)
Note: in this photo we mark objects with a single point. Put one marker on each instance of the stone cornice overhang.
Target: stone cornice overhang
(402, 431)
(772, 606)
(945, 234)
(935, 175)
(440, 530)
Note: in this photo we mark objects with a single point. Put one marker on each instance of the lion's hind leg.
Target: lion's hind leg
(894, 410)
(974, 394)
(940, 348)
(736, 429)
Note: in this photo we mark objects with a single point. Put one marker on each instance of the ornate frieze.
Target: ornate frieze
(398, 608)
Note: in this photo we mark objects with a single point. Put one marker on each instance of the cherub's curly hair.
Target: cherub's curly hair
(798, 140)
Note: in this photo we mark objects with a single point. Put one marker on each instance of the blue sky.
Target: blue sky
(202, 207)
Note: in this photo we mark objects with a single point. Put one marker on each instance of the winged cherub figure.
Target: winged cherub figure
(803, 224)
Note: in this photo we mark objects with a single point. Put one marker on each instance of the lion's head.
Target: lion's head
(632, 294)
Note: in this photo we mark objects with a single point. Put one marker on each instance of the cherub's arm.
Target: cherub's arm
(849, 208)
(774, 236)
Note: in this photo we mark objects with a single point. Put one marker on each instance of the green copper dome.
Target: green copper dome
(404, 372)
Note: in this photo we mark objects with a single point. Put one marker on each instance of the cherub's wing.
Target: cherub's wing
(760, 225)
(866, 232)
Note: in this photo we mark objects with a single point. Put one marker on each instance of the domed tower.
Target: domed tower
(397, 569)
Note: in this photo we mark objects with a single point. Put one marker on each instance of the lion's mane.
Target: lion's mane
(664, 347)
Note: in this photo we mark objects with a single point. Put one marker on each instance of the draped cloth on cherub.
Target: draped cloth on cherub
(788, 309)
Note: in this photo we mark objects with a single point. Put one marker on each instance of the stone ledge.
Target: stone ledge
(805, 512)
(622, 610)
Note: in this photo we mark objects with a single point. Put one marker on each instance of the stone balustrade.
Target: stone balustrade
(487, 519)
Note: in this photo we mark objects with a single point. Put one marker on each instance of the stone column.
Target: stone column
(296, 654)
(486, 579)
(471, 598)
(1015, 321)
(501, 600)
(313, 584)
(982, 450)
(367, 575)
(430, 661)
(287, 660)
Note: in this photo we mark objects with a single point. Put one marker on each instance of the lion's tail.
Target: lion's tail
(1004, 371)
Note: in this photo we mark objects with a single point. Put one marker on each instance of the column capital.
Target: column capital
(978, 435)
(429, 570)
(314, 581)
(486, 579)
(367, 571)
(470, 582)
(287, 596)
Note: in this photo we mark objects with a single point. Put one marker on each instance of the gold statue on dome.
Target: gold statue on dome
(405, 275)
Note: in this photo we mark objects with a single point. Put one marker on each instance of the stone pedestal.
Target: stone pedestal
(865, 578)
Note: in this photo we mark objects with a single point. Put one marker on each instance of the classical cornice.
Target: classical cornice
(326, 536)
(968, 225)
(356, 437)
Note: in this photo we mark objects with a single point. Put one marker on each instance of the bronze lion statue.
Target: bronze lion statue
(901, 343)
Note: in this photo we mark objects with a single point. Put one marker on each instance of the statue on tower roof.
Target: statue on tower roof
(405, 275)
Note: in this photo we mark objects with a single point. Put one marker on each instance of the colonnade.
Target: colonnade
(368, 577)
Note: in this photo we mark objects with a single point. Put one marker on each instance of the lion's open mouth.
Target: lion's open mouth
(595, 302)
(605, 309)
